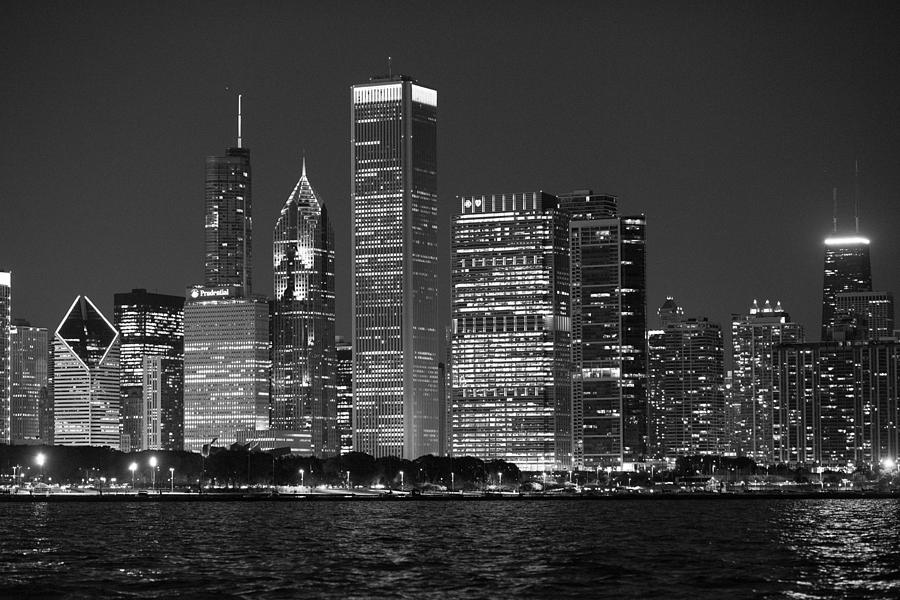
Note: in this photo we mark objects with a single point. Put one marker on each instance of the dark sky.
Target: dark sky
(727, 124)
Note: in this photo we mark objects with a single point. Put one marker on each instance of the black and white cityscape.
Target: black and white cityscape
(645, 312)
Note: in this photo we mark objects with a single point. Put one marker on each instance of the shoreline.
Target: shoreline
(489, 497)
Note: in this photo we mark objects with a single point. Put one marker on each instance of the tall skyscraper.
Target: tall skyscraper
(393, 153)
(227, 360)
(754, 337)
(511, 331)
(29, 384)
(303, 367)
(86, 378)
(687, 386)
(344, 388)
(609, 328)
(5, 322)
(229, 217)
(226, 365)
(149, 325)
(847, 269)
(162, 409)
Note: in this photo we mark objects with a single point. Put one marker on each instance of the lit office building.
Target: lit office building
(303, 366)
(511, 331)
(395, 264)
(687, 403)
(162, 406)
(149, 324)
(86, 378)
(609, 328)
(847, 269)
(754, 337)
(5, 322)
(31, 407)
(226, 365)
(873, 310)
(344, 393)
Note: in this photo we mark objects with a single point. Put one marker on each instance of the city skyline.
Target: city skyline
(698, 155)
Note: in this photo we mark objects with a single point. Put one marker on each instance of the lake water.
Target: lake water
(479, 549)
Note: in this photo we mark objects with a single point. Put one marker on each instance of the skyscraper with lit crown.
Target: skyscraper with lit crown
(393, 182)
(303, 366)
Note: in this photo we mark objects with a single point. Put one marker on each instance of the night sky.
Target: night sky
(727, 124)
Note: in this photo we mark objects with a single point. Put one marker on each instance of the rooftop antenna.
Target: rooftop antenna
(834, 214)
(856, 193)
(303, 169)
(390, 68)
(239, 120)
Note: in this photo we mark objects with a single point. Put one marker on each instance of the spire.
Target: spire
(856, 194)
(239, 121)
(834, 213)
(303, 169)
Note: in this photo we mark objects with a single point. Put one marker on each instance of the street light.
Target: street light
(500, 476)
(39, 459)
(132, 467)
(401, 480)
(452, 477)
(302, 473)
(172, 479)
(888, 463)
(153, 471)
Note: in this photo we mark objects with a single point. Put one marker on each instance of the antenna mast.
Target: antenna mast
(390, 68)
(856, 199)
(834, 213)
(239, 121)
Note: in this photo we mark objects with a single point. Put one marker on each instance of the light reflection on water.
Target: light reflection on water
(560, 549)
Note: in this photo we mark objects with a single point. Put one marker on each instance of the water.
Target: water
(481, 549)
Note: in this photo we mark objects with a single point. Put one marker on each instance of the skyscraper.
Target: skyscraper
(395, 341)
(609, 328)
(226, 329)
(687, 386)
(303, 368)
(754, 337)
(344, 388)
(229, 217)
(874, 310)
(5, 321)
(847, 269)
(149, 325)
(226, 366)
(162, 408)
(29, 384)
(511, 331)
(86, 378)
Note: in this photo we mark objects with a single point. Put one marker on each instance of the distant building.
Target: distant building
(149, 325)
(86, 378)
(754, 337)
(847, 269)
(5, 322)
(229, 219)
(31, 407)
(511, 331)
(344, 391)
(226, 365)
(393, 157)
(874, 311)
(297, 442)
(686, 385)
(609, 331)
(303, 366)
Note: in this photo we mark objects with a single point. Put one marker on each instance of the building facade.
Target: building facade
(395, 265)
(229, 219)
(86, 378)
(873, 310)
(226, 365)
(162, 405)
(344, 393)
(31, 407)
(754, 337)
(609, 328)
(687, 403)
(5, 323)
(149, 324)
(303, 366)
(510, 348)
(847, 269)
